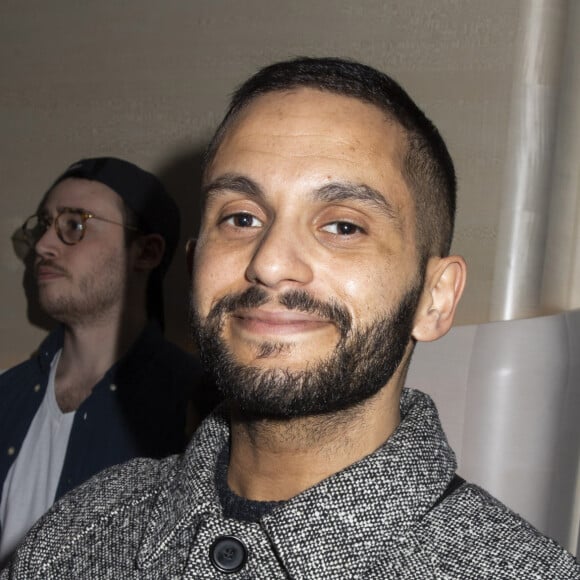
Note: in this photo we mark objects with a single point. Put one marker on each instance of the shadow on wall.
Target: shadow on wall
(181, 176)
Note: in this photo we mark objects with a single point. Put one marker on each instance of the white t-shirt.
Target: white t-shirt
(31, 483)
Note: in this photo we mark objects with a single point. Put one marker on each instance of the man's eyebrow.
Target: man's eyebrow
(231, 182)
(330, 193)
(345, 191)
(43, 211)
(72, 209)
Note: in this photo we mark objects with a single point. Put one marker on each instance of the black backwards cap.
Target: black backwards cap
(156, 211)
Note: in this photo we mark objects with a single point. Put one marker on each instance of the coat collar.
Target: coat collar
(370, 503)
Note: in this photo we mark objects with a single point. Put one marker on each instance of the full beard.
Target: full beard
(362, 363)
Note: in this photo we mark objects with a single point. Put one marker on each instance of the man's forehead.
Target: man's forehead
(312, 121)
(305, 104)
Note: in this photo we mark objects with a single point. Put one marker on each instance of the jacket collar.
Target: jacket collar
(49, 347)
(372, 502)
(143, 348)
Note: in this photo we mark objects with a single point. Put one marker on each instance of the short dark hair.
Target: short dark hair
(428, 168)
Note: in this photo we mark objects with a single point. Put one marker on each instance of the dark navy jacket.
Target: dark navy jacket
(138, 409)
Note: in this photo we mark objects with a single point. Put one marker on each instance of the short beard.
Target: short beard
(95, 296)
(362, 363)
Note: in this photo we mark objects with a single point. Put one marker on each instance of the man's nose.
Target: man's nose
(280, 258)
(49, 244)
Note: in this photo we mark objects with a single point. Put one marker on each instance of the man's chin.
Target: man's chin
(53, 308)
(291, 356)
(279, 362)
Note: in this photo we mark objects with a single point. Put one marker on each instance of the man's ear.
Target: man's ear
(190, 253)
(444, 284)
(149, 251)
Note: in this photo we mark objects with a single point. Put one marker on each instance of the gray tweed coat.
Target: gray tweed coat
(377, 519)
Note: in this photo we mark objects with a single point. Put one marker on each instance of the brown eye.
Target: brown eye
(74, 225)
(243, 220)
(71, 227)
(343, 228)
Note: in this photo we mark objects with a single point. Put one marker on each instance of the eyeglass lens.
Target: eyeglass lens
(70, 227)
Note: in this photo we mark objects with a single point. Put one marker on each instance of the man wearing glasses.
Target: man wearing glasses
(105, 386)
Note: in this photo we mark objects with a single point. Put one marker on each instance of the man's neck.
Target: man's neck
(88, 352)
(276, 460)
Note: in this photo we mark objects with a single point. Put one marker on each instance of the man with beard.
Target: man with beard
(323, 256)
(105, 386)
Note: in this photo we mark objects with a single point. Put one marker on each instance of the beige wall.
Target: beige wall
(148, 79)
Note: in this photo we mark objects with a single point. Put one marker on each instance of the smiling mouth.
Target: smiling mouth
(278, 323)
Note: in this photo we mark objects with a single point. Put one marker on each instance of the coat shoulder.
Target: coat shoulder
(121, 493)
(475, 535)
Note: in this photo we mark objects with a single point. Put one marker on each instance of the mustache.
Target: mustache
(49, 264)
(298, 300)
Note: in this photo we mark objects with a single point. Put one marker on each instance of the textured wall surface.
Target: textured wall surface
(148, 80)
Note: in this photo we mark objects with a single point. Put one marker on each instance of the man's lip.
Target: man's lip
(49, 272)
(277, 322)
(279, 316)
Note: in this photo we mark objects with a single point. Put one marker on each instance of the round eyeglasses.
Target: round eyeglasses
(70, 225)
